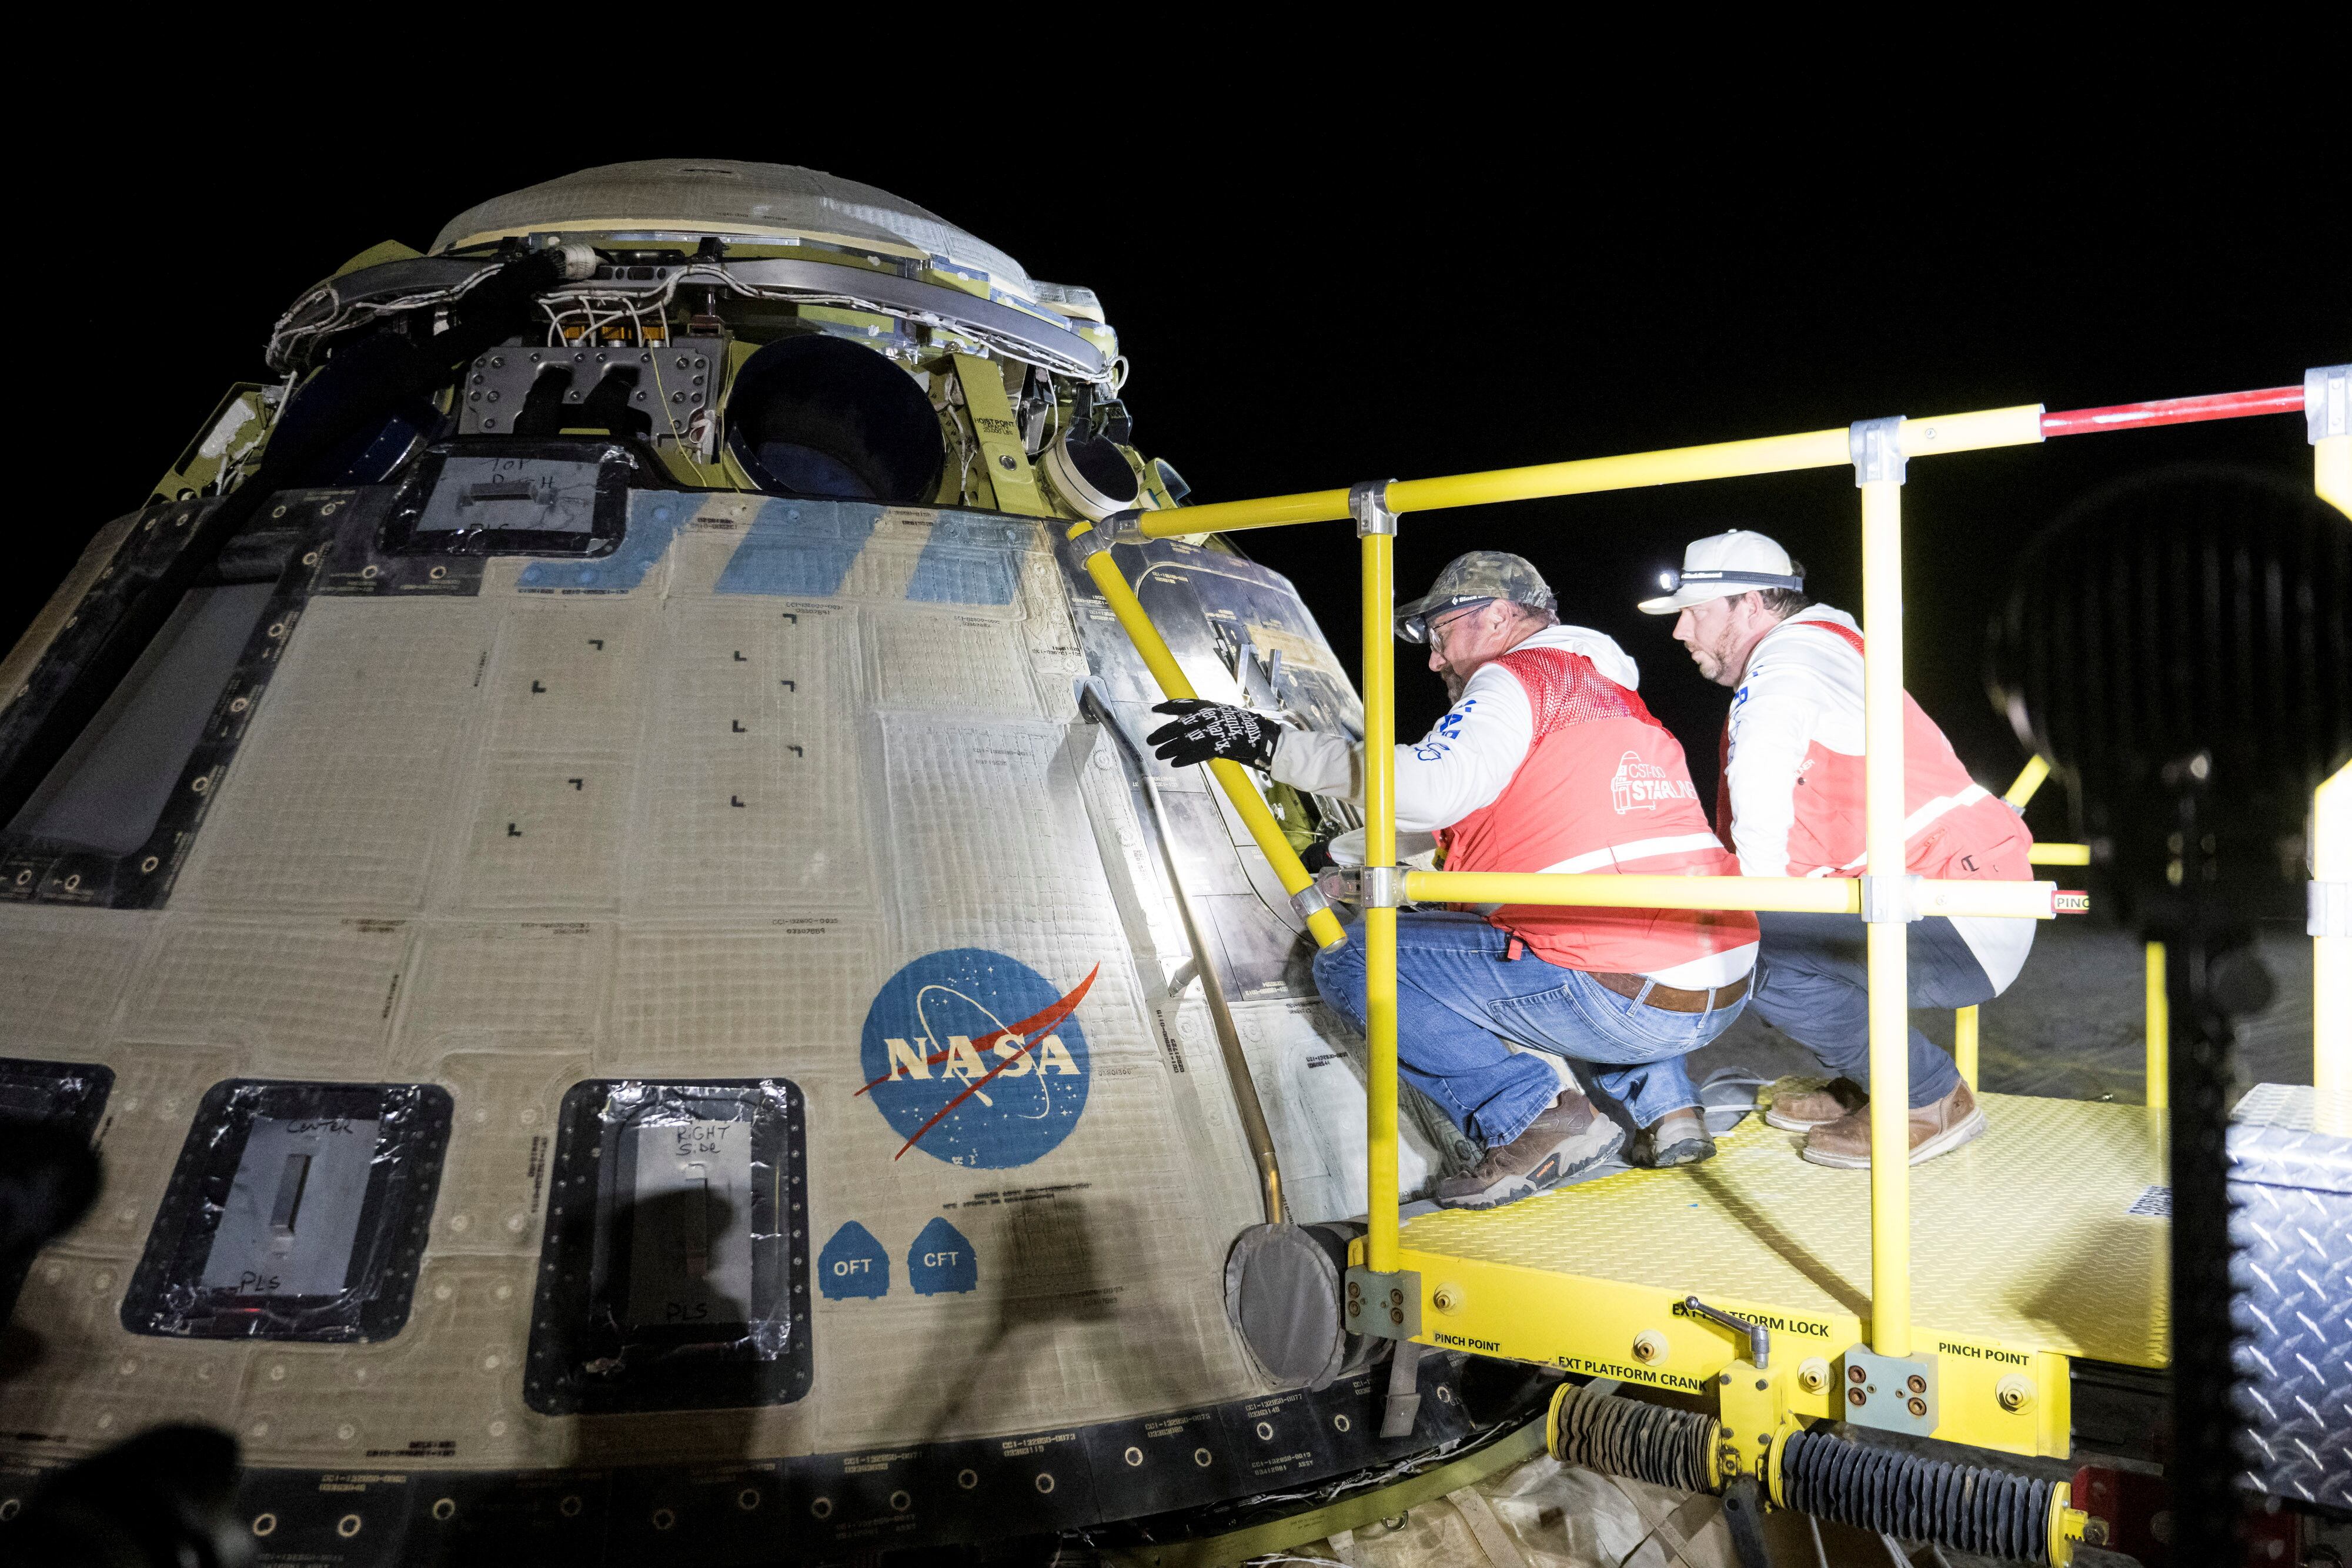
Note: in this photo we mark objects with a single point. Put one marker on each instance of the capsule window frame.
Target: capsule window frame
(619, 470)
(582, 1361)
(167, 1298)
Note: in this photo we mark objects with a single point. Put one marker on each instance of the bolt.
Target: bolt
(1445, 1301)
(2094, 1531)
(1396, 1298)
(1763, 1439)
(1727, 1380)
(1396, 1316)
(1762, 1384)
(1915, 1384)
(1856, 1396)
(1355, 1289)
(1918, 1407)
(1855, 1375)
(498, 361)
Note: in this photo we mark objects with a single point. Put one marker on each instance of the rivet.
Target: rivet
(1856, 1396)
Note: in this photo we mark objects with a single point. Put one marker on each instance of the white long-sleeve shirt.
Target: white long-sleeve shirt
(1468, 757)
(1466, 760)
(1796, 730)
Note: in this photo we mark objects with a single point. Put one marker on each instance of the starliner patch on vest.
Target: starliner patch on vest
(1639, 786)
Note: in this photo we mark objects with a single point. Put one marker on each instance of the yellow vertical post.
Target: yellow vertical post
(2328, 416)
(2331, 955)
(1878, 448)
(1231, 777)
(2157, 1090)
(1377, 526)
(1964, 1046)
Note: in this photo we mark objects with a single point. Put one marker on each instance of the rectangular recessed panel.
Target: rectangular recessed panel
(690, 1255)
(293, 1208)
(297, 1211)
(674, 1275)
(2038, 1208)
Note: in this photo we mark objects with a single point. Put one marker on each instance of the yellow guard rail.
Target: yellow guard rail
(1878, 450)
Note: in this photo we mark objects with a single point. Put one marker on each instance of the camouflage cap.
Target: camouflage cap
(1475, 579)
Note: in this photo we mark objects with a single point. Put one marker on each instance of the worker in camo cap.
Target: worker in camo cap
(1546, 761)
(1790, 804)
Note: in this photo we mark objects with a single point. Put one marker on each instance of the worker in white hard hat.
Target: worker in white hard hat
(1790, 804)
(1546, 761)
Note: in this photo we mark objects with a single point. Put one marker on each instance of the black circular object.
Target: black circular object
(819, 418)
(1101, 465)
(333, 425)
(2185, 610)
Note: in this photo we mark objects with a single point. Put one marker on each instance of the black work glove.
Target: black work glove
(1204, 731)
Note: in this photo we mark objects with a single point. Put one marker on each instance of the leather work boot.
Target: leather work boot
(1936, 1129)
(1800, 1105)
(1678, 1138)
(1569, 1138)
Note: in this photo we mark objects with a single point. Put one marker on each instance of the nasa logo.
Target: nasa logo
(976, 1059)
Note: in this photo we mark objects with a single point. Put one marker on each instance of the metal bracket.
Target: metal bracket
(1340, 884)
(1386, 1306)
(1088, 545)
(2327, 402)
(1892, 1393)
(2330, 907)
(1308, 901)
(1890, 900)
(1878, 448)
(1383, 885)
(1367, 503)
(1119, 524)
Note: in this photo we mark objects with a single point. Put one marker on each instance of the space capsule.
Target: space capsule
(586, 861)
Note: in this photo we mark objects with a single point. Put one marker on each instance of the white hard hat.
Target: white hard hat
(1721, 565)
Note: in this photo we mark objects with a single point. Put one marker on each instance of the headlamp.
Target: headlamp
(1673, 579)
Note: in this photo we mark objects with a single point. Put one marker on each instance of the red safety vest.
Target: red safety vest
(1955, 829)
(1603, 788)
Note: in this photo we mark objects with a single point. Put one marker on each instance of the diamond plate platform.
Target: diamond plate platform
(2292, 1190)
(2039, 1234)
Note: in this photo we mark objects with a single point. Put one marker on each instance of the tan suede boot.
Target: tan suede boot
(1570, 1138)
(1936, 1129)
(1800, 1105)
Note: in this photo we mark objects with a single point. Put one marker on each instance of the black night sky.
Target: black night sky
(1307, 310)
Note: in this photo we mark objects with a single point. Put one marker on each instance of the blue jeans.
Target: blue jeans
(1811, 985)
(1460, 996)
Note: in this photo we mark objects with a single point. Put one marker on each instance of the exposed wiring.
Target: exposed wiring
(291, 334)
(328, 314)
